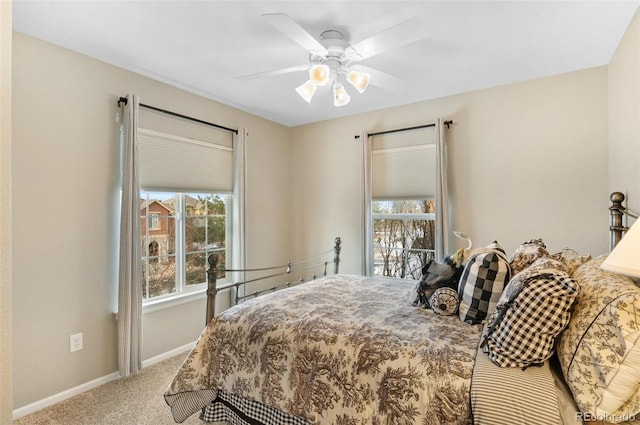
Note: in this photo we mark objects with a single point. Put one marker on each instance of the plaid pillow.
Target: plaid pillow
(484, 277)
(533, 310)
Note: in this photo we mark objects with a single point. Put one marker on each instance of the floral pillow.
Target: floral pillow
(599, 352)
(571, 259)
(526, 254)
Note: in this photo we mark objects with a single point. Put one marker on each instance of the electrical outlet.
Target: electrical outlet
(75, 342)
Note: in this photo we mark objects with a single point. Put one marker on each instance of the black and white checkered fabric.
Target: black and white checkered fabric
(238, 410)
(484, 277)
(534, 308)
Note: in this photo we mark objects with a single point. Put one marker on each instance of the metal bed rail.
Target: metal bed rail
(286, 269)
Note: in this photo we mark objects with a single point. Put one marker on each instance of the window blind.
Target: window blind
(180, 164)
(403, 166)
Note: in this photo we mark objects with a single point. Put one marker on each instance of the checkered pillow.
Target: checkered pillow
(533, 310)
(484, 277)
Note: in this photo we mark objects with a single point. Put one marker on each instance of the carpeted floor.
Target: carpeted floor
(136, 400)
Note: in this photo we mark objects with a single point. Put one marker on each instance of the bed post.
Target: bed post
(617, 211)
(336, 256)
(212, 290)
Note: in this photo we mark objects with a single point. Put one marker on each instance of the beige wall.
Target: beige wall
(6, 381)
(65, 197)
(624, 116)
(527, 160)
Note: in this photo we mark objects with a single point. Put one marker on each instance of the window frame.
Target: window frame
(393, 169)
(184, 292)
(404, 217)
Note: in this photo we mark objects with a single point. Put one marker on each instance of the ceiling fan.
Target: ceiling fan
(333, 60)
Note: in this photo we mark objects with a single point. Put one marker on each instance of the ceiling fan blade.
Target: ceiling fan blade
(273, 72)
(291, 29)
(398, 35)
(384, 80)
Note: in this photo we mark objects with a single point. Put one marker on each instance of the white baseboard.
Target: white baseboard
(61, 396)
(71, 392)
(167, 355)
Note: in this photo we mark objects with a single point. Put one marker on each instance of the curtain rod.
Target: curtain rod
(175, 114)
(397, 130)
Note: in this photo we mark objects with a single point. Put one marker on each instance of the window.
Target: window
(184, 228)
(185, 208)
(401, 222)
(403, 237)
(153, 221)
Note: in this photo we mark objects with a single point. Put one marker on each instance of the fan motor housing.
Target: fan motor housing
(336, 58)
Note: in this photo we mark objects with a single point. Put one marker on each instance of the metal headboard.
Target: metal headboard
(618, 211)
(311, 263)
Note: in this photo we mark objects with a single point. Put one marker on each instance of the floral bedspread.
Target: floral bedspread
(339, 350)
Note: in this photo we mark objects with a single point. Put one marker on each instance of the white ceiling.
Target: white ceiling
(201, 46)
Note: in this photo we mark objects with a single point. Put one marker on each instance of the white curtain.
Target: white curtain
(239, 200)
(367, 225)
(130, 264)
(442, 194)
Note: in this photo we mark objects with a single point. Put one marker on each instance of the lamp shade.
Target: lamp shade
(319, 74)
(625, 257)
(359, 80)
(340, 95)
(306, 90)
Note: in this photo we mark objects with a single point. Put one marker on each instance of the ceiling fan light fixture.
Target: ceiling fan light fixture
(307, 90)
(319, 74)
(359, 80)
(331, 57)
(340, 95)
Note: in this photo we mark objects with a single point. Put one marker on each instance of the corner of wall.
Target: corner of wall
(6, 366)
(624, 115)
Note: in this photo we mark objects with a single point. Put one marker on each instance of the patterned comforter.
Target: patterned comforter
(339, 350)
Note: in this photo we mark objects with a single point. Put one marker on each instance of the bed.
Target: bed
(353, 350)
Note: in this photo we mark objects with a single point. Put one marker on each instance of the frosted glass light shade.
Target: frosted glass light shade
(319, 74)
(340, 95)
(625, 257)
(306, 90)
(359, 80)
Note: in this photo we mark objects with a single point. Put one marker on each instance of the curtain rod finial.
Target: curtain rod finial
(122, 100)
